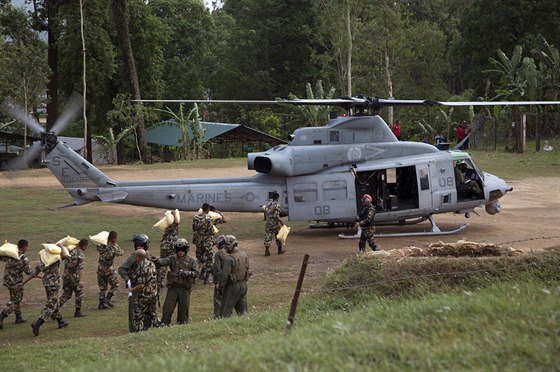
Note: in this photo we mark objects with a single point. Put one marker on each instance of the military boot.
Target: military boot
(281, 250)
(2, 316)
(36, 325)
(108, 300)
(266, 252)
(78, 313)
(62, 323)
(19, 319)
(102, 305)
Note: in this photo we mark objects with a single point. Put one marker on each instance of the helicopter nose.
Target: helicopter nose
(496, 186)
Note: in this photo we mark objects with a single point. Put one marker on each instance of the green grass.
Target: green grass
(486, 314)
(499, 319)
(511, 166)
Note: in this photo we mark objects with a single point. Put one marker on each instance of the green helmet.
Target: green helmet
(230, 242)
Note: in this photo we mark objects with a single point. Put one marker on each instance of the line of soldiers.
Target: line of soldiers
(143, 275)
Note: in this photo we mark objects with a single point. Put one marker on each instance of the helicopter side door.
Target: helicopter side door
(322, 197)
(424, 188)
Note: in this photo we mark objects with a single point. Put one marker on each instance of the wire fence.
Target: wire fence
(489, 133)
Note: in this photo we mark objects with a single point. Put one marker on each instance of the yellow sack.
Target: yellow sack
(101, 238)
(69, 242)
(167, 220)
(51, 253)
(9, 250)
(283, 234)
(215, 216)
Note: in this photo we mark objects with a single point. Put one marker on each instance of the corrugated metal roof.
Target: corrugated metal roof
(167, 133)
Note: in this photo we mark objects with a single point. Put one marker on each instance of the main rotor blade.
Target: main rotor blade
(70, 112)
(249, 102)
(17, 112)
(22, 161)
(356, 102)
(500, 103)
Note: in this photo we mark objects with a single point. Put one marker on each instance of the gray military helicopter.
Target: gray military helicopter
(320, 174)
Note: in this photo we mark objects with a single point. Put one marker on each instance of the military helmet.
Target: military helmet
(221, 241)
(141, 240)
(367, 197)
(182, 245)
(230, 242)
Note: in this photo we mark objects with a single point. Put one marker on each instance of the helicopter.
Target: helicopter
(320, 174)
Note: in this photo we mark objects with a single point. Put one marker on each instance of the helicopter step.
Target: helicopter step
(435, 231)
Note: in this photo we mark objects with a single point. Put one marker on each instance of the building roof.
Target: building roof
(167, 133)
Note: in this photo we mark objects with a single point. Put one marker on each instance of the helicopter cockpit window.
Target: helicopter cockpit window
(334, 136)
(305, 192)
(335, 190)
(476, 169)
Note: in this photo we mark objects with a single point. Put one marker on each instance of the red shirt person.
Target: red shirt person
(396, 128)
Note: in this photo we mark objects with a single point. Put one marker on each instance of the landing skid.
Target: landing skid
(435, 231)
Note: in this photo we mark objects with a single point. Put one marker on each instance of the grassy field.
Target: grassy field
(477, 314)
(486, 314)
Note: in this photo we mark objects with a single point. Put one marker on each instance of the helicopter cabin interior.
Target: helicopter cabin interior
(392, 189)
(397, 189)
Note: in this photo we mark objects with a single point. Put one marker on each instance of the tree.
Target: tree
(185, 56)
(24, 71)
(510, 23)
(314, 115)
(340, 24)
(121, 18)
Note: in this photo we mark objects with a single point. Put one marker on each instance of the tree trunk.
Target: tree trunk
(120, 16)
(52, 58)
(349, 55)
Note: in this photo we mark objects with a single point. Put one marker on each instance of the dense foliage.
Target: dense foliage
(264, 49)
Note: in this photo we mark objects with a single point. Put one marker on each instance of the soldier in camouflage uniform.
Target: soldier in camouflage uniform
(145, 289)
(106, 276)
(73, 279)
(217, 268)
(365, 222)
(167, 246)
(203, 239)
(181, 276)
(51, 282)
(127, 271)
(13, 276)
(233, 279)
(273, 224)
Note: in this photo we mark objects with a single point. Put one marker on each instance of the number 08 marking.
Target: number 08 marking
(322, 209)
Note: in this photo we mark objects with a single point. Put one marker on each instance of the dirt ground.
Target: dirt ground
(530, 219)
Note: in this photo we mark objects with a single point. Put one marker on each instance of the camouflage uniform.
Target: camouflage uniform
(180, 279)
(365, 219)
(106, 276)
(13, 276)
(272, 214)
(203, 239)
(167, 248)
(127, 271)
(233, 281)
(71, 279)
(145, 301)
(51, 282)
(217, 268)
